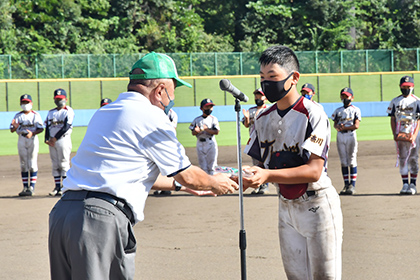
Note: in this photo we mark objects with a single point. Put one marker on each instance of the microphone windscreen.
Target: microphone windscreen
(224, 84)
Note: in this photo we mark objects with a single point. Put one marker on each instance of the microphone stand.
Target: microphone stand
(242, 233)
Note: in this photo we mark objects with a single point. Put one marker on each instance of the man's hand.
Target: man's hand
(223, 184)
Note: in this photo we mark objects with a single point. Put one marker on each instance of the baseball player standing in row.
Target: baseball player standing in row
(404, 111)
(91, 232)
(248, 121)
(204, 127)
(291, 140)
(346, 121)
(58, 128)
(27, 124)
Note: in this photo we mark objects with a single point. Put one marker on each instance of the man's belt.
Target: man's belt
(121, 204)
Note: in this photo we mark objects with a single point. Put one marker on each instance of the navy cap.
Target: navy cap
(347, 91)
(407, 81)
(205, 102)
(105, 101)
(308, 87)
(26, 97)
(60, 93)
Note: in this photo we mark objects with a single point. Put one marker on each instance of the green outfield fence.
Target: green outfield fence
(204, 64)
(86, 93)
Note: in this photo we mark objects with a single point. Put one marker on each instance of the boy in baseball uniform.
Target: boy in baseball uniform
(27, 124)
(346, 120)
(248, 121)
(204, 127)
(58, 128)
(404, 111)
(291, 141)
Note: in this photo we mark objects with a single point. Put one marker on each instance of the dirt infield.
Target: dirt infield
(186, 237)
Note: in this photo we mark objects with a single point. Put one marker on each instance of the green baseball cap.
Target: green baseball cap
(157, 66)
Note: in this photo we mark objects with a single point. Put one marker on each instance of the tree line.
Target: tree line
(133, 26)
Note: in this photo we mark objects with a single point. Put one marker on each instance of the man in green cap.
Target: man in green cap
(128, 143)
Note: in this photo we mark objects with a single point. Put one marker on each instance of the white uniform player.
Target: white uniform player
(406, 105)
(27, 124)
(346, 121)
(58, 136)
(291, 140)
(205, 127)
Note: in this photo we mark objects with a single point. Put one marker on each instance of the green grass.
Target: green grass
(87, 94)
(377, 128)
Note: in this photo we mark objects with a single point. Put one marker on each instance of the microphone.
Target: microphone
(226, 85)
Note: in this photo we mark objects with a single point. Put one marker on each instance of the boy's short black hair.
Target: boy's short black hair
(281, 55)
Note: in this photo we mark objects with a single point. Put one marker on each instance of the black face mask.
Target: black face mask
(207, 112)
(346, 102)
(274, 91)
(406, 91)
(259, 102)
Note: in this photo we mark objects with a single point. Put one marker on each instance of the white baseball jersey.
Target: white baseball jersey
(59, 122)
(253, 112)
(127, 144)
(31, 121)
(407, 152)
(207, 150)
(311, 226)
(210, 121)
(347, 145)
(28, 147)
(347, 116)
(304, 129)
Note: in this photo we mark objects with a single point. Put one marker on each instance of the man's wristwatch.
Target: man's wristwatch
(177, 186)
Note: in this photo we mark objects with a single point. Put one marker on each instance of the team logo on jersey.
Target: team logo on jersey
(316, 139)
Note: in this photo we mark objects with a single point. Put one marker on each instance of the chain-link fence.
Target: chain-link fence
(204, 64)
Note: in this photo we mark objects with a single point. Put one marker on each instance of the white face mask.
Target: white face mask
(26, 107)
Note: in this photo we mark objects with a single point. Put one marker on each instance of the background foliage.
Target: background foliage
(133, 26)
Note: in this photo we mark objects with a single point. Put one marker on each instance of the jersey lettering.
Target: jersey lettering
(268, 149)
